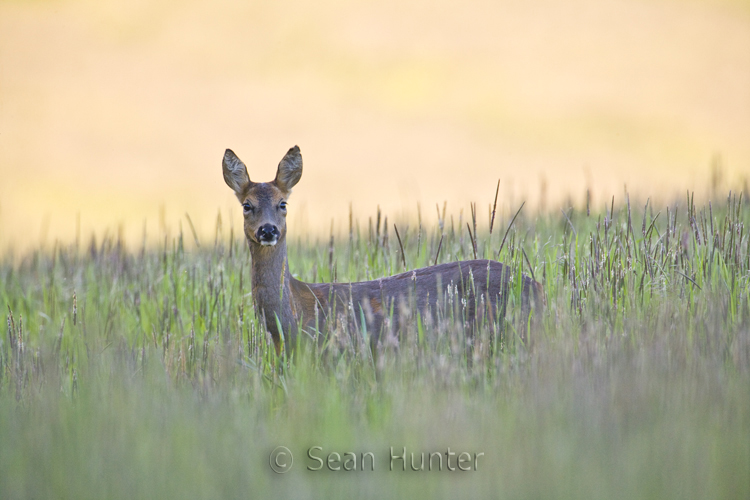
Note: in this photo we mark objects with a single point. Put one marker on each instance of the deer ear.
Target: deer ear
(290, 169)
(235, 173)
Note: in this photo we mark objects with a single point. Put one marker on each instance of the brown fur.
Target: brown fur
(294, 305)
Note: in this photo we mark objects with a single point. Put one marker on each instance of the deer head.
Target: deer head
(263, 203)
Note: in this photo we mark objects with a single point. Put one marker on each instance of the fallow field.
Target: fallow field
(144, 373)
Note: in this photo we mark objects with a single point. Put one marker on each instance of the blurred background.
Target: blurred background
(114, 114)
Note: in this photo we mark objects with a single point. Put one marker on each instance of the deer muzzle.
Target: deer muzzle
(268, 234)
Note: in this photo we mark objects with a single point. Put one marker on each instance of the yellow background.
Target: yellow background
(117, 113)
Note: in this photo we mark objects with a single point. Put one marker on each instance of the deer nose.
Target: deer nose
(268, 234)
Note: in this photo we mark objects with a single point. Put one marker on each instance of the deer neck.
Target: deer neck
(271, 281)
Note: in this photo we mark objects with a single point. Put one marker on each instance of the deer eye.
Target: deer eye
(282, 205)
(247, 207)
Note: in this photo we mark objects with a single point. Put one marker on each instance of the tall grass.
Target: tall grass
(127, 374)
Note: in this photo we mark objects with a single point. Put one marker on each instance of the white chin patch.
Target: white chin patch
(268, 243)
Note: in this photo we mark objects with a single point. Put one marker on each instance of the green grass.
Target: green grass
(145, 374)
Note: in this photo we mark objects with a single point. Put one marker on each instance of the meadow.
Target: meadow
(143, 372)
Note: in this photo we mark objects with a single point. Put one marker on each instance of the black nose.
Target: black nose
(268, 232)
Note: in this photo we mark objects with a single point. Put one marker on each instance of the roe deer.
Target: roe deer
(293, 305)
